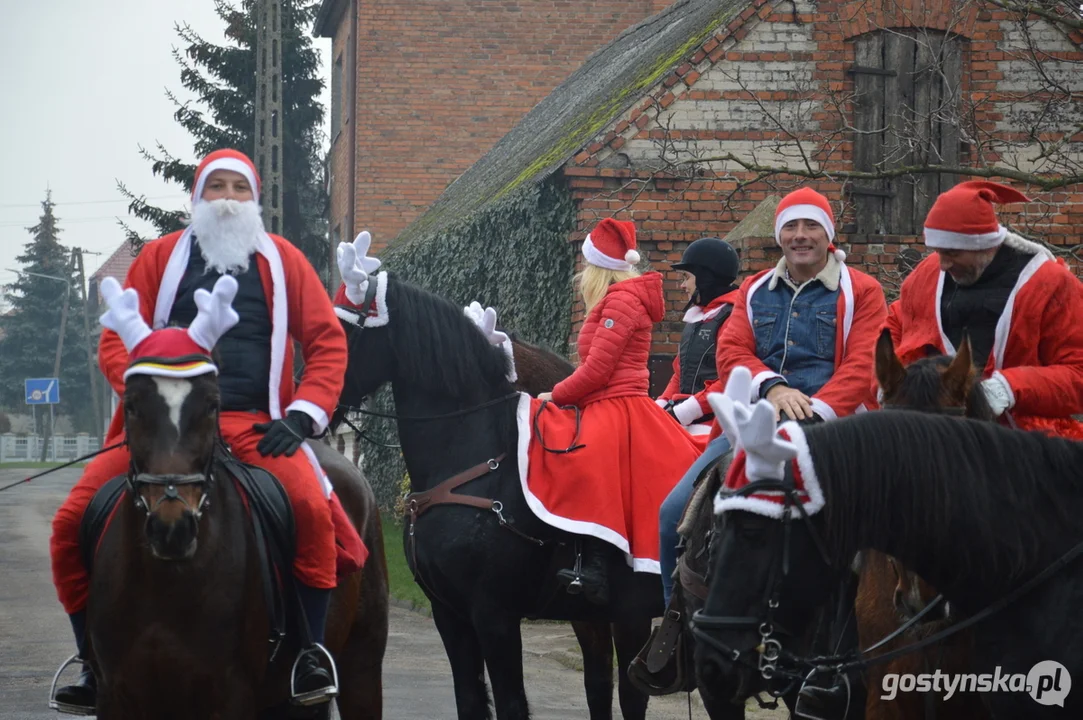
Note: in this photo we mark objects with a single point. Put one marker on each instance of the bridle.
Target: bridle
(769, 651)
(171, 481)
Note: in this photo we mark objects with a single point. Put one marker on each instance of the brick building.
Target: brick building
(684, 122)
(420, 90)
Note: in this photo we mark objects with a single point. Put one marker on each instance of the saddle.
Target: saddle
(268, 509)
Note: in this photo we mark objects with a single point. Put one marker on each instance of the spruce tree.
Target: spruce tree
(31, 327)
(223, 78)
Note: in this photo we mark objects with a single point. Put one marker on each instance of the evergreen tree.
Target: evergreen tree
(31, 327)
(223, 77)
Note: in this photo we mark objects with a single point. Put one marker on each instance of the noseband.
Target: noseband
(171, 482)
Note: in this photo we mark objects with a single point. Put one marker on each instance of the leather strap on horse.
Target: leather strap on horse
(666, 639)
(418, 503)
(692, 581)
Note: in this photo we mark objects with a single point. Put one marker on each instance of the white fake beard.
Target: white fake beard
(227, 232)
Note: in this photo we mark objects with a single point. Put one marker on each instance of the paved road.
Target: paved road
(35, 636)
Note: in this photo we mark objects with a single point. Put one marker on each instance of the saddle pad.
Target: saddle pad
(97, 517)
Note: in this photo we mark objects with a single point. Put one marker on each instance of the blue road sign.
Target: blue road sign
(42, 391)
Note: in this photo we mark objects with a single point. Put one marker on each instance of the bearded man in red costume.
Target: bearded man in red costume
(263, 417)
(1019, 307)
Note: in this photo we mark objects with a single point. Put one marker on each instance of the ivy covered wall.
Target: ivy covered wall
(513, 256)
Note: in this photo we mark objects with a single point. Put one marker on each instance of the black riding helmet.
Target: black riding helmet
(715, 265)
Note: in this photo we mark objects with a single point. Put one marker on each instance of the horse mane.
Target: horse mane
(437, 347)
(993, 500)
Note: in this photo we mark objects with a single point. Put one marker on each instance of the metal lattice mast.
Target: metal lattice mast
(268, 15)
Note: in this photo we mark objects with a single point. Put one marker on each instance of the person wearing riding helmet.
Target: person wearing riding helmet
(710, 267)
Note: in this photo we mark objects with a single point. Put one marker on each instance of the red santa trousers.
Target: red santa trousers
(314, 564)
(632, 454)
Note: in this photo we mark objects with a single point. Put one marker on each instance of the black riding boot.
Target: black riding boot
(83, 694)
(312, 684)
(593, 577)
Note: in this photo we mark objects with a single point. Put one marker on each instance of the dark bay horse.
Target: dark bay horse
(456, 413)
(177, 623)
(980, 511)
(889, 594)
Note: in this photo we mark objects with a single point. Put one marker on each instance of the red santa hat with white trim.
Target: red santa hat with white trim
(807, 204)
(963, 218)
(612, 245)
(233, 160)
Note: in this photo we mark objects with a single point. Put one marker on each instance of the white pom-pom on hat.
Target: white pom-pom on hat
(631, 257)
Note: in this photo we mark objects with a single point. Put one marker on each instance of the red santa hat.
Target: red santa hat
(807, 204)
(963, 218)
(225, 160)
(612, 245)
(170, 352)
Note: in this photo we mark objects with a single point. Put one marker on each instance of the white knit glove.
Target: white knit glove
(998, 393)
(661, 402)
(687, 411)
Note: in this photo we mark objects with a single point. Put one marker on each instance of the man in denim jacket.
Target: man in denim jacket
(807, 330)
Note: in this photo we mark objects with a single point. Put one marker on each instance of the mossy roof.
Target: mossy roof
(608, 84)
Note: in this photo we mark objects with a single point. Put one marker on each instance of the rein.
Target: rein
(114, 446)
(426, 418)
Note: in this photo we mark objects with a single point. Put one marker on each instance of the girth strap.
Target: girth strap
(417, 503)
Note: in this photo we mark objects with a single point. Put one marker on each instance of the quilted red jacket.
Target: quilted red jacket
(615, 343)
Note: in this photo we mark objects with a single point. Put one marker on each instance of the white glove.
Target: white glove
(355, 266)
(687, 411)
(661, 402)
(998, 393)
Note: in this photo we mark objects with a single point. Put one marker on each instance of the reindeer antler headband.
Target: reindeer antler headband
(170, 352)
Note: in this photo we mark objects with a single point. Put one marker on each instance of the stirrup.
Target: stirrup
(320, 695)
(817, 711)
(575, 585)
(64, 708)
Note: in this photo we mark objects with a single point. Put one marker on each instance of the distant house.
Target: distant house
(421, 89)
(674, 122)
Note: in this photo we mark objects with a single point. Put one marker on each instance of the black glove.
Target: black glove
(284, 436)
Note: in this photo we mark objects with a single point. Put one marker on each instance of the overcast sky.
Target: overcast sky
(82, 86)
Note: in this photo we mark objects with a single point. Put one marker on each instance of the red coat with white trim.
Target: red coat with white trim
(615, 344)
(673, 387)
(299, 306)
(862, 309)
(1039, 340)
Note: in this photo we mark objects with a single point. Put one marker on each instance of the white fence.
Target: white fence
(17, 448)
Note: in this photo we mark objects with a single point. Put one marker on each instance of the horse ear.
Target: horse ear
(956, 377)
(889, 369)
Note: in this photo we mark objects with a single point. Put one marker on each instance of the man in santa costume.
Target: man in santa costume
(807, 328)
(1019, 308)
(264, 418)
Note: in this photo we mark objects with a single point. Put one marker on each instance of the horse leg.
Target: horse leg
(502, 644)
(630, 636)
(467, 663)
(596, 640)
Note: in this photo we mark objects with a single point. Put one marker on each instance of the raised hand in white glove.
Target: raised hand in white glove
(998, 393)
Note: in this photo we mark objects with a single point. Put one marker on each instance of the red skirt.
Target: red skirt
(628, 455)
(1066, 428)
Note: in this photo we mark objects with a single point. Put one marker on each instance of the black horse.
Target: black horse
(484, 568)
(978, 510)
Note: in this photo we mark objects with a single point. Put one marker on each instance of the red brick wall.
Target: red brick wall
(696, 104)
(440, 82)
(341, 145)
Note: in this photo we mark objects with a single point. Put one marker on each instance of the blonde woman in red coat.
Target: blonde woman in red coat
(631, 452)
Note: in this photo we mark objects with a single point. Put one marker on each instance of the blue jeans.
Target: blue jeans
(669, 517)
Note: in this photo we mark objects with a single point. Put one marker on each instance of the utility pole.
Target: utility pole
(56, 365)
(90, 364)
(269, 128)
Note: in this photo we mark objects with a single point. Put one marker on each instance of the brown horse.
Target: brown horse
(888, 593)
(188, 637)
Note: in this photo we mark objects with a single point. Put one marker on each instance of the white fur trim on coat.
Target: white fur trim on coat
(167, 294)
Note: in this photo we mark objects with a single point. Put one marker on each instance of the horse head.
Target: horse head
(742, 627)
(171, 407)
